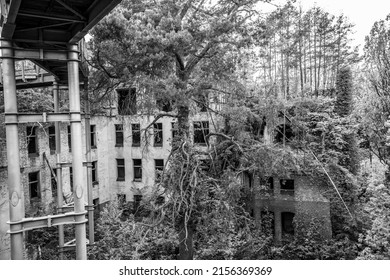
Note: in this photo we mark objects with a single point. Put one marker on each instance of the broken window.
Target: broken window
(93, 136)
(137, 169)
(32, 143)
(159, 168)
(119, 135)
(287, 186)
(158, 134)
(288, 223)
(34, 187)
(52, 139)
(127, 101)
(53, 184)
(69, 139)
(174, 130)
(94, 173)
(120, 167)
(71, 178)
(201, 130)
(284, 133)
(136, 135)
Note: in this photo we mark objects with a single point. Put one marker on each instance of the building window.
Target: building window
(163, 104)
(96, 212)
(53, 183)
(120, 167)
(137, 168)
(93, 136)
(158, 134)
(288, 223)
(32, 143)
(201, 130)
(69, 139)
(159, 168)
(287, 186)
(137, 204)
(119, 135)
(284, 133)
(71, 178)
(267, 185)
(136, 134)
(127, 101)
(94, 173)
(52, 139)
(33, 182)
(174, 130)
(121, 199)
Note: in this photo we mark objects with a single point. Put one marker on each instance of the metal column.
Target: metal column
(91, 234)
(16, 205)
(77, 152)
(61, 238)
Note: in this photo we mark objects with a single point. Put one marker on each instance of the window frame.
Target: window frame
(32, 141)
(94, 173)
(119, 139)
(69, 138)
(136, 134)
(158, 169)
(158, 135)
(284, 187)
(137, 169)
(52, 139)
(118, 167)
(201, 127)
(93, 139)
(38, 185)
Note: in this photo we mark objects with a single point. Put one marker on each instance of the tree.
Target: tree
(177, 49)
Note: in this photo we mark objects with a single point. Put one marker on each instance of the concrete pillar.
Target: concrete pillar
(77, 151)
(15, 189)
(60, 200)
(278, 226)
(91, 233)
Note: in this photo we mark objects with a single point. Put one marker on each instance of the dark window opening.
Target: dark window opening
(284, 133)
(247, 179)
(120, 166)
(71, 178)
(158, 134)
(174, 130)
(164, 104)
(94, 173)
(159, 168)
(160, 200)
(287, 186)
(52, 139)
(69, 139)
(53, 182)
(137, 168)
(137, 204)
(93, 136)
(127, 101)
(288, 223)
(136, 135)
(119, 135)
(268, 222)
(33, 182)
(32, 143)
(121, 199)
(201, 130)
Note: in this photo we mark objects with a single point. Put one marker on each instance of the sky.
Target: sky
(363, 13)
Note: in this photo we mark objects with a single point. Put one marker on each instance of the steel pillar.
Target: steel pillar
(60, 200)
(77, 151)
(91, 234)
(16, 205)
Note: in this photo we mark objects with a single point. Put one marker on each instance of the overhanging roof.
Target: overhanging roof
(51, 25)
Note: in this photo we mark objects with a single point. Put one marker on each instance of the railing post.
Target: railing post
(16, 205)
(77, 153)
